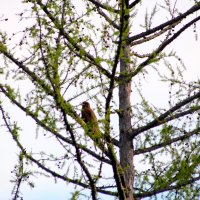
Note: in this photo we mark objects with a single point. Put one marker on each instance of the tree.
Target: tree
(96, 51)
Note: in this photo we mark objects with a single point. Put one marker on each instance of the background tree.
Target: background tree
(103, 52)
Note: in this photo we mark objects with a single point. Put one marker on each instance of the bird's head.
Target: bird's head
(85, 104)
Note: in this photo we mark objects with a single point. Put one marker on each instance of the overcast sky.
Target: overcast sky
(187, 48)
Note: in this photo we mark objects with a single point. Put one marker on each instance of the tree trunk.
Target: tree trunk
(126, 144)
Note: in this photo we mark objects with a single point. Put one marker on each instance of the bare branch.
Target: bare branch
(164, 44)
(111, 22)
(168, 23)
(79, 158)
(104, 6)
(163, 116)
(134, 3)
(169, 142)
(155, 35)
(178, 186)
(123, 27)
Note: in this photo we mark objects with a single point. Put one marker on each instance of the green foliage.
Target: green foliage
(77, 195)
(3, 48)
(75, 51)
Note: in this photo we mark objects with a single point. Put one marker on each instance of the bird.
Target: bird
(90, 119)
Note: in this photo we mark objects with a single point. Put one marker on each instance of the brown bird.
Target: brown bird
(90, 119)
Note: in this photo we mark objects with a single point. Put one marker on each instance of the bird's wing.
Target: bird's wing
(86, 115)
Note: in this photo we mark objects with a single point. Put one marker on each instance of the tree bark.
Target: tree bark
(126, 143)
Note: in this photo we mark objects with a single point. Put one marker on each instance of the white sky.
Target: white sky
(186, 47)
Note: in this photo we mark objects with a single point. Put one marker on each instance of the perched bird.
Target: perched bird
(90, 119)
